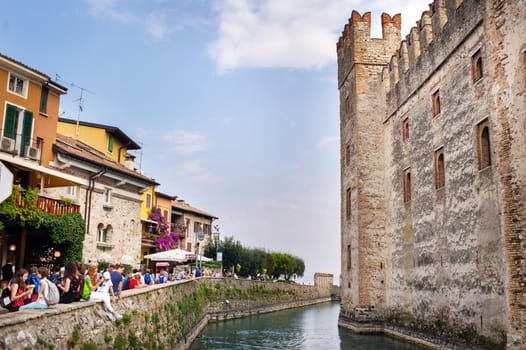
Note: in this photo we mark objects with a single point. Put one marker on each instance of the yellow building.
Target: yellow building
(109, 140)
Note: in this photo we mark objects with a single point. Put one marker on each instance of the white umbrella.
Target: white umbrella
(127, 260)
(178, 255)
(203, 258)
(105, 257)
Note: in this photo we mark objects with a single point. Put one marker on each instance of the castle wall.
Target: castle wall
(453, 246)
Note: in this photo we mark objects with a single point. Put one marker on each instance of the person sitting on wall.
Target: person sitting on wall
(19, 291)
(101, 290)
(70, 285)
(40, 303)
(33, 280)
(135, 281)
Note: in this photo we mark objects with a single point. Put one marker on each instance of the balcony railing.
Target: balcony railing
(50, 205)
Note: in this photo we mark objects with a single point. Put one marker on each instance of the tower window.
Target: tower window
(407, 185)
(435, 99)
(405, 129)
(348, 155)
(348, 203)
(476, 66)
(484, 145)
(440, 179)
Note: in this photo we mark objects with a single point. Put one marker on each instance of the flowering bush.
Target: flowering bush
(167, 240)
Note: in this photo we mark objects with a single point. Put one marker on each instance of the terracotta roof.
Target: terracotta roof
(188, 208)
(164, 195)
(81, 151)
(125, 139)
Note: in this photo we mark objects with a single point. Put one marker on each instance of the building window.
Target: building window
(440, 178)
(347, 104)
(106, 196)
(101, 234)
(197, 226)
(17, 85)
(348, 155)
(435, 99)
(476, 66)
(349, 257)
(110, 143)
(43, 100)
(484, 145)
(348, 203)
(148, 200)
(188, 247)
(187, 226)
(165, 213)
(71, 191)
(405, 129)
(407, 185)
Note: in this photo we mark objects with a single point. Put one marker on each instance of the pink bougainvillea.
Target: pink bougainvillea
(167, 240)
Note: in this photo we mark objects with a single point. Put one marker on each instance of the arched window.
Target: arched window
(476, 66)
(484, 145)
(101, 233)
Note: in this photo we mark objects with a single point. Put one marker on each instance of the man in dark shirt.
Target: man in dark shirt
(7, 271)
(116, 279)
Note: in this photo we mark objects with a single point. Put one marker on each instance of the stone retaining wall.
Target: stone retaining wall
(165, 316)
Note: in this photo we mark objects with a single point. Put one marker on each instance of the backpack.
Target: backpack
(147, 278)
(5, 298)
(86, 291)
(52, 296)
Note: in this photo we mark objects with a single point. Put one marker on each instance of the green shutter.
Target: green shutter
(110, 143)
(27, 128)
(10, 122)
(43, 100)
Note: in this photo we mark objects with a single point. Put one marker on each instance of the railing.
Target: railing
(50, 205)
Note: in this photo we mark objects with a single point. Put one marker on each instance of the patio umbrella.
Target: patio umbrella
(177, 255)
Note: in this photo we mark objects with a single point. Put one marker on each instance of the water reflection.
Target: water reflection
(313, 327)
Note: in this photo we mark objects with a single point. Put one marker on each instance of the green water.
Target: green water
(313, 327)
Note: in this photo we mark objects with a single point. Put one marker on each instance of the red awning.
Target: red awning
(162, 264)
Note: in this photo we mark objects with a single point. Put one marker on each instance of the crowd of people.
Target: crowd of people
(80, 282)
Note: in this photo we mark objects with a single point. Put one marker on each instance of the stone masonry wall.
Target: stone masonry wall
(454, 256)
(165, 316)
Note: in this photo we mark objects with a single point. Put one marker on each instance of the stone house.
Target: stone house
(110, 195)
(197, 223)
(433, 178)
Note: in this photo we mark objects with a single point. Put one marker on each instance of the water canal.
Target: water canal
(313, 327)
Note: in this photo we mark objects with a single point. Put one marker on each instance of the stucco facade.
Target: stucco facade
(433, 173)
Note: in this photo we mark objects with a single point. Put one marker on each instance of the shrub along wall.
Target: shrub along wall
(166, 316)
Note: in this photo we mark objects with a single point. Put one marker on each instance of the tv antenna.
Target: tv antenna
(79, 100)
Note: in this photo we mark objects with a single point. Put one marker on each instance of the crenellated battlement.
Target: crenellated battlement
(436, 34)
(355, 44)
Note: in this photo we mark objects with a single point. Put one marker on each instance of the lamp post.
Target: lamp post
(219, 257)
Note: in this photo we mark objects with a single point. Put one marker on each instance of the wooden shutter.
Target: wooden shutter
(110, 143)
(10, 121)
(43, 100)
(27, 128)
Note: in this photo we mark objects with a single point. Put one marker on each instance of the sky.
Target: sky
(234, 102)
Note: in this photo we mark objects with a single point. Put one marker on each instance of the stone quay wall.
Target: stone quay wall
(167, 316)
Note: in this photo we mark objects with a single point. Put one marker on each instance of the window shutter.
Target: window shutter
(110, 143)
(43, 100)
(27, 128)
(10, 121)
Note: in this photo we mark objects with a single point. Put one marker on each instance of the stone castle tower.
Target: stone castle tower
(433, 173)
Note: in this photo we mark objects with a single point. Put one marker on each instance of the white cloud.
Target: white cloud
(328, 141)
(196, 171)
(293, 33)
(276, 33)
(108, 8)
(185, 142)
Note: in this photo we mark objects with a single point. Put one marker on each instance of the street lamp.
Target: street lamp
(219, 256)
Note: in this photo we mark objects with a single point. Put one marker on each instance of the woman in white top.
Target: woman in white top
(40, 303)
(101, 290)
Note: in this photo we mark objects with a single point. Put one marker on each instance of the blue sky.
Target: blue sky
(235, 102)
